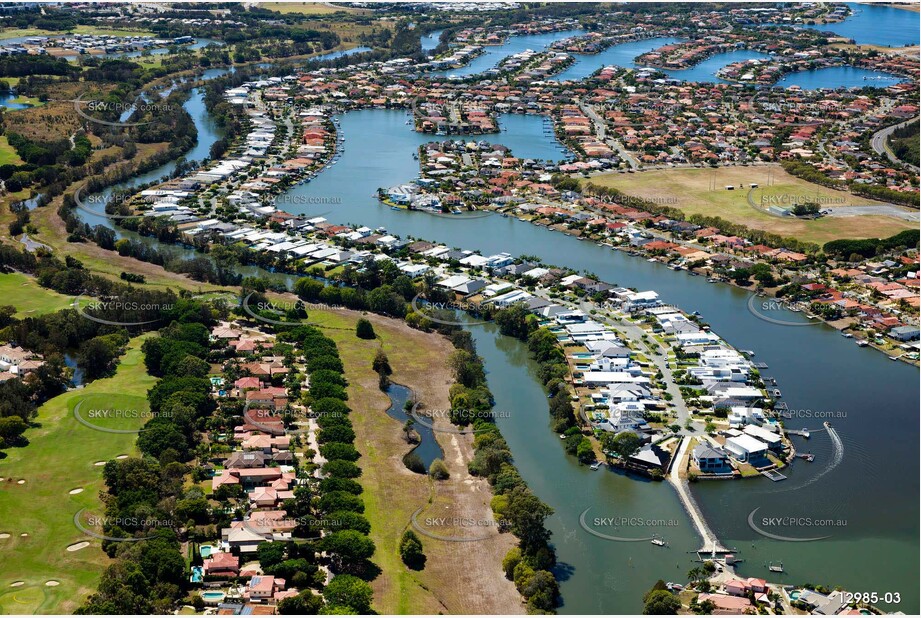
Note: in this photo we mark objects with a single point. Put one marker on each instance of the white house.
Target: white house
(746, 448)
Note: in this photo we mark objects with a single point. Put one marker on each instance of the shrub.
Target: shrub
(411, 551)
(438, 470)
(364, 329)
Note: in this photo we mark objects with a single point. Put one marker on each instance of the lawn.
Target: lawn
(392, 493)
(703, 191)
(60, 458)
(310, 8)
(29, 298)
(8, 154)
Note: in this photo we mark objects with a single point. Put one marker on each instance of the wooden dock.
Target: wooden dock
(774, 475)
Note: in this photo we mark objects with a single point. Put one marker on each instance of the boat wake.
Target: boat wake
(836, 458)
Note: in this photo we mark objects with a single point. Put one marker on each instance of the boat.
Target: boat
(777, 393)
(776, 568)
(595, 465)
(893, 358)
(862, 343)
(674, 587)
(847, 335)
(394, 208)
(658, 542)
(562, 436)
(651, 260)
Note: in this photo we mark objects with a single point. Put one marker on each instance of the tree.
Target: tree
(438, 470)
(411, 551)
(304, 604)
(349, 547)
(381, 363)
(624, 444)
(364, 329)
(526, 514)
(349, 591)
(661, 603)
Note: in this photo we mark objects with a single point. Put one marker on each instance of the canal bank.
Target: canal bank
(820, 371)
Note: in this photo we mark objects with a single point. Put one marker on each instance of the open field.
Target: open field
(393, 493)
(689, 190)
(8, 154)
(310, 8)
(59, 459)
(29, 298)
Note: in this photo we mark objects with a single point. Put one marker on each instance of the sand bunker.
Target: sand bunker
(4, 535)
(52, 582)
(24, 534)
(78, 546)
(122, 457)
(16, 584)
(75, 491)
(99, 463)
(21, 482)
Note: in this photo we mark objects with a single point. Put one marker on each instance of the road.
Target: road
(880, 144)
(601, 133)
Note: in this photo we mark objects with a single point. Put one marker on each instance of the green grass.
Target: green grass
(8, 154)
(83, 29)
(29, 298)
(60, 457)
(689, 190)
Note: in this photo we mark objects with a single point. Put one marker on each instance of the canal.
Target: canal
(875, 403)
(816, 368)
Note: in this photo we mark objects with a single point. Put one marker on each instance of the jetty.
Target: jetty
(709, 543)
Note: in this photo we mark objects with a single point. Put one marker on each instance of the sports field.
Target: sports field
(703, 191)
(29, 298)
(40, 483)
(309, 8)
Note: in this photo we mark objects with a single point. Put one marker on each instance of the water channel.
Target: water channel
(876, 403)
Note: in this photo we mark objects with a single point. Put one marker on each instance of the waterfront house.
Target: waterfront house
(771, 439)
(710, 460)
(725, 605)
(746, 448)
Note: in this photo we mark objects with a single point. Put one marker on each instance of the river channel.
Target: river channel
(860, 481)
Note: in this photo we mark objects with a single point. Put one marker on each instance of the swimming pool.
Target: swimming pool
(213, 597)
(207, 550)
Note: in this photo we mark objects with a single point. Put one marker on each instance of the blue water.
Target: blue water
(877, 25)
(430, 41)
(6, 101)
(341, 53)
(617, 55)
(208, 133)
(492, 54)
(706, 71)
(623, 55)
(428, 448)
(838, 77)
(379, 150)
